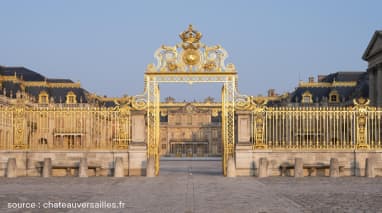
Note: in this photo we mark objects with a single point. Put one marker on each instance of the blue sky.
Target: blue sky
(107, 44)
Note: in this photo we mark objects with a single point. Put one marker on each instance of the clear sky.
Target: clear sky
(106, 45)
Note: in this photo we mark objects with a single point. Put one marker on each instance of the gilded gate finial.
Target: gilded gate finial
(190, 55)
(190, 35)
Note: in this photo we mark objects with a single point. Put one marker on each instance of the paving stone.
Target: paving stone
(198, 186)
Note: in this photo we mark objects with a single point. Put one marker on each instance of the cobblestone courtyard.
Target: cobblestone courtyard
(196, 186)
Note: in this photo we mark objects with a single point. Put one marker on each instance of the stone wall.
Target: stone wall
(352, 163)
(29, 163)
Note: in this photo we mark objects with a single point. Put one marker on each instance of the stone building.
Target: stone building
(373, 55)
(187, 129)
(335, 89)
(190, 129)
(321, 119)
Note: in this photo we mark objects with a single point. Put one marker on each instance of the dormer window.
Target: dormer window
(306, 97)
(43, 97)
(71, 98)
(334, 97)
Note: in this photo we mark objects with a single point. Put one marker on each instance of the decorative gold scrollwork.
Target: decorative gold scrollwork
(19, 127)
(361, 107)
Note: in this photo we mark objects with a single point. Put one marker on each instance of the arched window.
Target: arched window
(71, 98)
(307, 97)
(43, 97)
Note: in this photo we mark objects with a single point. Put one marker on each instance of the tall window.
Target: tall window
(71, 98)
(43, 97)
(189, 119)
(334, 97)
(307, 97)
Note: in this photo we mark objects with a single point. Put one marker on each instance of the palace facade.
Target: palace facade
(186, 128)
(337, 111)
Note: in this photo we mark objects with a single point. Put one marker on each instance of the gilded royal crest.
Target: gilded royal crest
(190, 55)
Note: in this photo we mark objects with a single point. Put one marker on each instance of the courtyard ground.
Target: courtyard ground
(191, 186)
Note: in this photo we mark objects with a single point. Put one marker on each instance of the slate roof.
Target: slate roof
(10, 87)
(343, 76)
(22, 72)
(58, 93)
(346, 93)
(320, 93)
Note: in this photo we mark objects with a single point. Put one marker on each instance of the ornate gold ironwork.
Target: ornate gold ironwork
(190, 56)
(361, 107)
(195, 63)
(19, 128)
(259, 124)
(57, 128)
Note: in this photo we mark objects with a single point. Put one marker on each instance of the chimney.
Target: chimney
(271, 92)
(320, 78)
(311, 79)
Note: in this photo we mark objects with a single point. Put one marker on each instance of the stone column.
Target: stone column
(298, 168)
(231, 167)
(138, 127)
(118, 167)
(372, 95)
(11, 168)
(150, 168)
(137, 148)
(370, 167)
(47, 168)
(263, 168)
(244, 127)
(334, 168)
(83, 170)
(378, 87)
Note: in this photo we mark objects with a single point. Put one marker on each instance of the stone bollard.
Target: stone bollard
(11, 168)
(118, 167)
(83, 170)
(334, 168)
(263, 168)
(298, 168)
(47, 168)
(231, 168)
(370, 167)
(150, 167)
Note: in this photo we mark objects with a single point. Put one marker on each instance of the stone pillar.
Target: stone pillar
(372, 95)
(243, 128)
(298, 168)
(334, 168)
(47, 168)
(138, 127)
(150, 168)
(370, 167)
(137, 159)
(118, 167)
(378, 87)
(231, 167)
(11, 168)
(83, 170)
(263, 167)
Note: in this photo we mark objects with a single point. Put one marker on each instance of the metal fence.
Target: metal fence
(309, 128)
(61, 128)
(317, 128)
(88, 128)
